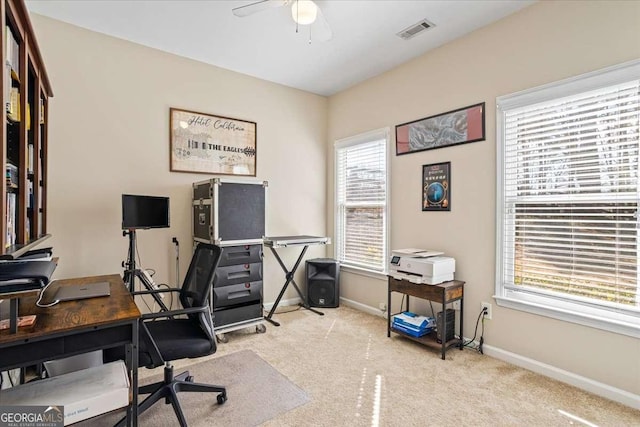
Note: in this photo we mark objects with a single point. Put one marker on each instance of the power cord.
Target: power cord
(283, 311)
(484, 311)
(51, 304)
(475, 332)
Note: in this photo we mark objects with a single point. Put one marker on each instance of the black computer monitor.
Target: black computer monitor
(144, 212)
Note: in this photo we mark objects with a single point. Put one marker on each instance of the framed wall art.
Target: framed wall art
(204, 143)
(436, 187)
(443, 130)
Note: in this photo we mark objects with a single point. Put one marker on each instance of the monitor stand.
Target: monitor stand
(131, 272)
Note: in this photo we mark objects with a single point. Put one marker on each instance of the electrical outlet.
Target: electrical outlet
(382, 306)
(486, 305)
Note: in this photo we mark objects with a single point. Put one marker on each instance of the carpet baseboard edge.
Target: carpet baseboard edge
(583, 383)
(282, 303)
(363, 307)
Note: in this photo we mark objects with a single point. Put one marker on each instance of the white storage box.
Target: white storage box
(84, 394)
(73, 363)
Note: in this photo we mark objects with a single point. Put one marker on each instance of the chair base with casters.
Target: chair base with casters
(168, 390)
(185, 333)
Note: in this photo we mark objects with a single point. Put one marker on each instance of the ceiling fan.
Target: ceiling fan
(303, 12)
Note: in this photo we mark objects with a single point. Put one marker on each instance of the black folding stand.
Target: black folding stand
(131, 272)
(275, 242)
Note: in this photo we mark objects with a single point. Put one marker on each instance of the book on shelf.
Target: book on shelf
(11, 219)
(30, 158)
(30, 198)
(13, 51)
(11, 175)
(7, 87)
(14, 105)
(41, 111)
(28, 116)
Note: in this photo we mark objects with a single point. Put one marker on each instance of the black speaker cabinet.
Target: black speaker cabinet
(323, 282)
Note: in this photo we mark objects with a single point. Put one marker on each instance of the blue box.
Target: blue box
(410, 331)
(414, 321)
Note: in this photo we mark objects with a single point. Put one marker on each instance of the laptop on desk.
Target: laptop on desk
(89, 290)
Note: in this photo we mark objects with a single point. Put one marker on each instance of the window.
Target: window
(568, 190)
(361, 201)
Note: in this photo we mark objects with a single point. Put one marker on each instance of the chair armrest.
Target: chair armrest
(191, 310)
(155, 291)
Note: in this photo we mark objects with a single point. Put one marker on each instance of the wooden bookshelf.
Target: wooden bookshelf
(26, 91)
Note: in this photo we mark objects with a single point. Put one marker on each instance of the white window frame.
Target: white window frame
(363, 138)
(593, 316)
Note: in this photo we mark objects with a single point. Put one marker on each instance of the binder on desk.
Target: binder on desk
(44, 254)
(16, 276)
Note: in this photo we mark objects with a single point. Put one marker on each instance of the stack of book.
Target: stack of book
(413, 324)
(11, 175)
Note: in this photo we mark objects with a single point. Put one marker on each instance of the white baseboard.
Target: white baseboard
(584, 383)
(363, 307)
(283, 302)
(592, 386)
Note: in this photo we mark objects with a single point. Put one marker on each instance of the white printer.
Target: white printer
(421, 266)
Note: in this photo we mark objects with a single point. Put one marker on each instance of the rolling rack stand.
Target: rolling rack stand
(231, 214)
(131, 272)
(283, 242)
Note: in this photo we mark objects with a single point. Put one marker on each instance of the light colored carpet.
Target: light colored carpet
(256, 393)
(355, 376)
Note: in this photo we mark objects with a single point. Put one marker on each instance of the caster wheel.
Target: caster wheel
(189, 379)
(222, 338)
(222, 397)
(261, 329)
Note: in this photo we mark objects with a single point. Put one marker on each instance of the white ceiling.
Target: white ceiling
(266, 45)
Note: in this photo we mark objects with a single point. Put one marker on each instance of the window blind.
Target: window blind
(361, 201)
(570, 197)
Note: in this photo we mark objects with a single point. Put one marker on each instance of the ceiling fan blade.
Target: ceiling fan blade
(322, 30)
(259, 6)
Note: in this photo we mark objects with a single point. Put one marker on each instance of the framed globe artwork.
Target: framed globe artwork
(436, 187)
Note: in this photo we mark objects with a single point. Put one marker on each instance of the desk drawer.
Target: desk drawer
(41, 350)
(30, 353)
(234, 274)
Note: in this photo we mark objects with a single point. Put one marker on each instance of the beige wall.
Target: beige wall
(109, 134)
(543, 43)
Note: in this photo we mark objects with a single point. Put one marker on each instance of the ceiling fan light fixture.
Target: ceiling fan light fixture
(304, 12)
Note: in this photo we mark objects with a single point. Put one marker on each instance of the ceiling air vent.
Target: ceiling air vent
(415, 29)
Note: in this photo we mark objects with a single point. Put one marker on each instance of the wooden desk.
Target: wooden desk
(75, 327)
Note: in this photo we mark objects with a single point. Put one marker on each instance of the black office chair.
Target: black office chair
(180, 334)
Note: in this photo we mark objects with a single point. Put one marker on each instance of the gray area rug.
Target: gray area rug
(256, 393)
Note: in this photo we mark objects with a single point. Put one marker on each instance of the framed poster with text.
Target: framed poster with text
(436, 187)
(215, 145)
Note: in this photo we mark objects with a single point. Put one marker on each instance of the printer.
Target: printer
(421, 266)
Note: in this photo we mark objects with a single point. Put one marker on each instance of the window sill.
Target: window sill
(363, 272)
(624, 324)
